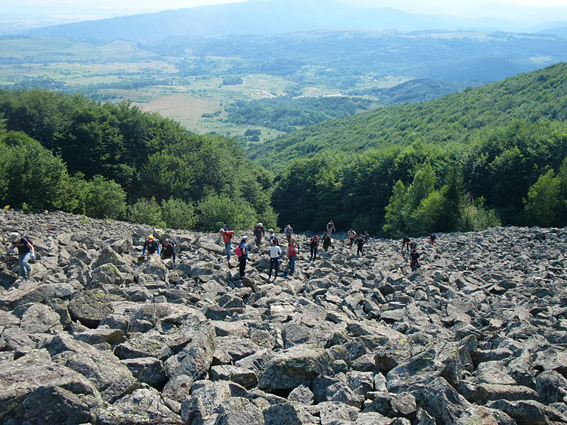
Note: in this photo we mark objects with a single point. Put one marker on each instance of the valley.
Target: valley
(183, 79)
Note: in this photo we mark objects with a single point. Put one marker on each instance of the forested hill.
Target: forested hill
(532, 97)
(115, 161)
(487, 156)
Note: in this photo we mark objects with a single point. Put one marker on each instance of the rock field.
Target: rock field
(99, 336)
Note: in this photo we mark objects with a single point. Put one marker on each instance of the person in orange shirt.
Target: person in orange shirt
(227, 239)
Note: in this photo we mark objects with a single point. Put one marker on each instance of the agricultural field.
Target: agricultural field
(53, 49)
(188, 109)
(84, 74)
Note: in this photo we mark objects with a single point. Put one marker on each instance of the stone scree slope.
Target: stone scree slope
(97, 335)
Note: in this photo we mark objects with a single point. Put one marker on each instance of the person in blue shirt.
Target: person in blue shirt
(25, 253)
(242, 259)
(151, 245)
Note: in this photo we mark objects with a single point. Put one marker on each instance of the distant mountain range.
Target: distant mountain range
(261, 17)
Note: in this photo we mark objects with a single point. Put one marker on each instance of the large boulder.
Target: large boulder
(111, 378)
(297, 366)
(90, 308)
(143, 406)
(33, 389)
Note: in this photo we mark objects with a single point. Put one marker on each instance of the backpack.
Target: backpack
(238, 251)
(27, 238)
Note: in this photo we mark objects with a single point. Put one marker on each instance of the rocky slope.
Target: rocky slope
(476, 336)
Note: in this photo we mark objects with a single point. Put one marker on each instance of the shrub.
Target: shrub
(146, 212)
(31, 174)
(178, 214)
(216, 210)
(103, 198)
(474, 217)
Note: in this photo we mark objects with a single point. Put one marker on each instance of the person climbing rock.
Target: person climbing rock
(243, 248)
(414, 260)
(326, 241)
(351, 235)
(313, 244)
(331, 228)
(258, 233)
(151, 245)
(25, 253)
(405, 243)
(227, 236)
(168, 250)
(288, 232)
(359, 245)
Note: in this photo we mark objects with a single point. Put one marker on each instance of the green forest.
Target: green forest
(288, 114)
(492, 155)
(114, 161)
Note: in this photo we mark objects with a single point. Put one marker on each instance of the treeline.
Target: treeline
(489, 155)
(115, 161)
(35, 82)
(418, 90)
(334, 56)
(507, 175)
(288, 114)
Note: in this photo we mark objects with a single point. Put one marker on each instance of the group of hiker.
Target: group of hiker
(275, 252)
(151, 245)
(273, 249)
(26, 252)
(410, 247)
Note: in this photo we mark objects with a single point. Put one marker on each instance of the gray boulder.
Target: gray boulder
(143, 406)
(203, 406)
(297, 366)
(36, 390)
(90, 308)
(147, 370)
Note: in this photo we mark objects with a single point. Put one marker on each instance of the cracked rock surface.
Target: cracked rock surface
(99, 335)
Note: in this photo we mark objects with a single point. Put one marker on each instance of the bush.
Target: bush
(363, 223)
(543, 204)
(31, 174)
(146, 212)
(102, 198)
(426, 218)
(178, 214)
(474, 217)
(216, 210)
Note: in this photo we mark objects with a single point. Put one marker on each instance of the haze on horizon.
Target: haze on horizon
(528, 12)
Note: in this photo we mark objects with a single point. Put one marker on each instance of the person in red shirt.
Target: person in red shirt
(292, 251)
(227, 239)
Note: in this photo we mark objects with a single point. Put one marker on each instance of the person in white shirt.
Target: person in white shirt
(275, 251)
